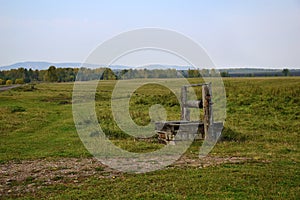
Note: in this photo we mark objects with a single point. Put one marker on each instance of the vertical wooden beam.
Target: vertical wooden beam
(205, 92)
(207, 108)
(185, 112)
(183, 101)
(210, 114)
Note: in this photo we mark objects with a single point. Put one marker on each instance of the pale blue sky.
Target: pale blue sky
(235, 33)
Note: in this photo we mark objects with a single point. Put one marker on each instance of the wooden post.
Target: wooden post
(210, 114)
(206, 108)
(185, 112)
(212, 132)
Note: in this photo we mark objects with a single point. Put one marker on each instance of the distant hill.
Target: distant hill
(41, 65)
(45, 65)
(255, 72)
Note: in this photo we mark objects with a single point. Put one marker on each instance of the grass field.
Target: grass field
(262, 126)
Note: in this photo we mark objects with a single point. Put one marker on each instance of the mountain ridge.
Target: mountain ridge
(43, 65)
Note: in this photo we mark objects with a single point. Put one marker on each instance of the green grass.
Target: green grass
(40, 126)
(262, 124)
(227, 181)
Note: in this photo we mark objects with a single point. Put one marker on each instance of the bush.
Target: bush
(19, 81)
(17, 109)
(25, 88)
(8, 82)
(1, 81)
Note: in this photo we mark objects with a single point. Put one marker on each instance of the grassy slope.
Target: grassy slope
(262, 123)
(43, 127)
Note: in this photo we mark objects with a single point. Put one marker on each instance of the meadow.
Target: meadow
(261, 128)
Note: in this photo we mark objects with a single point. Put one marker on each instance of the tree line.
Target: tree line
(53, 74)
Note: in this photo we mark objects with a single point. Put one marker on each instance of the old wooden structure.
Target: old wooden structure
(172, 131)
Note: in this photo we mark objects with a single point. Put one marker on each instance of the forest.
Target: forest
(53, 74)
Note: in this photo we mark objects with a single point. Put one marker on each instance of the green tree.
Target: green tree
(213, 73)
(108, 74)
(193, 73)
(123, 74)
(51, 74)
(205, 72)
(36, 75)
(286, 72)
(27, 76)
(19, 73)
(224, 74)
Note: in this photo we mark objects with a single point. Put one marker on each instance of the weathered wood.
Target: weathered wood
(185, 113)
(194, 104)
(207, 108)
(186, 129)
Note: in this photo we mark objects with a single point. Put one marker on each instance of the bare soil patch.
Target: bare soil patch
(19, 177)
(4, 88)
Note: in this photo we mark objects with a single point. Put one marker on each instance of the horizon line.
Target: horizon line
(145, 66)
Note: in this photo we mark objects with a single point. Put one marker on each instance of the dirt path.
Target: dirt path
(17, 178)
(4, 88)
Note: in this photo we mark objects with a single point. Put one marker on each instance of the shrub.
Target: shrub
(8, 82)
(17, 109)
(19, 81)
(25, 88)
(1, 81)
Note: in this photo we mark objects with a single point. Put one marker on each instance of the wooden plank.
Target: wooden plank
(194, 104)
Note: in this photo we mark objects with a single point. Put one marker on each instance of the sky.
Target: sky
(234, 33)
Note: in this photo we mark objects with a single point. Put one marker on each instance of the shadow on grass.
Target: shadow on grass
(230, 135)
